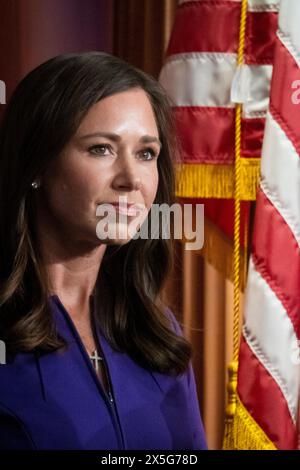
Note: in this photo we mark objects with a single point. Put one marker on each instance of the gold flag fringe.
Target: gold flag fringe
(217, 181)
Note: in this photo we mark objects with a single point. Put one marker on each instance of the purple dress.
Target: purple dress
(56, 401)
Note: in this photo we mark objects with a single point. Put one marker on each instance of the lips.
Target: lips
(127, 208)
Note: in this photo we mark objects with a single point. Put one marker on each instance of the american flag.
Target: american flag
(269, 365)
(200, 75)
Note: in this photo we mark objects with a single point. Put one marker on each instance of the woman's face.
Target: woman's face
(113, 153)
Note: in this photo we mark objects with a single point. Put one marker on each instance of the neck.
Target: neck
(72, 265)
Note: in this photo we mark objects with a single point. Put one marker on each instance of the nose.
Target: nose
(127, 177)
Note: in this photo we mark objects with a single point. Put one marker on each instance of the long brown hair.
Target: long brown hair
(43, 114)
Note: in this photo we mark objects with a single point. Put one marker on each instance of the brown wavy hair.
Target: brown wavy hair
(44, 112)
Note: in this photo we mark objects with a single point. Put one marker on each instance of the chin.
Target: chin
(115, 235)
(116, 242)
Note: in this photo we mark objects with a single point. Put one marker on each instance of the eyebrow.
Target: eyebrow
(145, 139)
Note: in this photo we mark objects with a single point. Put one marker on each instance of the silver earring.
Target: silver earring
(35, 184)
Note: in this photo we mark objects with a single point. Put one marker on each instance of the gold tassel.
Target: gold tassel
(243, 433)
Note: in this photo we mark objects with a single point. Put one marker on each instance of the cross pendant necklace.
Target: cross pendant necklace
(95, 358)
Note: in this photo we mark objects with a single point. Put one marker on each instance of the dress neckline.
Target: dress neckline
(99, 339)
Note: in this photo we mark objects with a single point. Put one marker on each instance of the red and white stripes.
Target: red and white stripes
(269, 369)
(199, 71)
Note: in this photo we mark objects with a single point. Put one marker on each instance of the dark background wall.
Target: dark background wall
(32, 31)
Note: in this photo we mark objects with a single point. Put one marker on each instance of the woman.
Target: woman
(94, 358)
